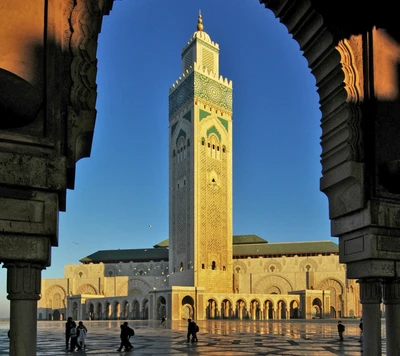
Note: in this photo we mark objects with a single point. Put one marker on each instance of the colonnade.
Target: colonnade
(374, 291)
(269, 311)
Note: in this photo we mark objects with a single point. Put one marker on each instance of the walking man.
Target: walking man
(340, 329)
(68, 327)
(191, 330)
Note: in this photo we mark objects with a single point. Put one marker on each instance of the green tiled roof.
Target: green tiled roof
(286, 248)
(164, 243)
(243, 246)
(137, 255)
(237, 240)
(248, 239)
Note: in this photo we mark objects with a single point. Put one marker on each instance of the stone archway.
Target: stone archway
(337, 294)
(272, 285)
(361, 184)
(87, 289)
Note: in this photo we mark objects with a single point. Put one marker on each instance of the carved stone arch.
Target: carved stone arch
(333, 66)
(270, 301)
(273, 264)
(266, 284)
(136, 286)
(229, 299)
(255, 300)
(294, 300)
(87, 289)
(336, 292)
(331, 283)
(241, 265)
(213, 136)
(241, 300)
(311, 262)
(55, 297)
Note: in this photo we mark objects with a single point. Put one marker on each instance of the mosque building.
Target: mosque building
(203, 271)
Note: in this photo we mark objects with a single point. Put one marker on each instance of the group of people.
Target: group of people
(75, 336)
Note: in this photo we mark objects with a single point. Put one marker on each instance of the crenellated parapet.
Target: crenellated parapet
(202, 70)
(202, 36)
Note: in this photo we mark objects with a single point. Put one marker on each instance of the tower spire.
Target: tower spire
(200, 26)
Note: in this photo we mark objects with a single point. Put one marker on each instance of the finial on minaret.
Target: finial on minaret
(200, 26)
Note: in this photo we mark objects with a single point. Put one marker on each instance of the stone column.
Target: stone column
(23, 288)
(391, 299)
(370, 297)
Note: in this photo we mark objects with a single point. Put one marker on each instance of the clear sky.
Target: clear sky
(122, 189)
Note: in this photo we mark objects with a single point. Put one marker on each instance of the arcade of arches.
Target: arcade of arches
(279, 287)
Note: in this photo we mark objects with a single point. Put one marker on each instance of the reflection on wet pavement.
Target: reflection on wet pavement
(216, 337)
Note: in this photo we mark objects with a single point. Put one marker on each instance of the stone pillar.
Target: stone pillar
(370, 297)
(23, 288)
(391, 299)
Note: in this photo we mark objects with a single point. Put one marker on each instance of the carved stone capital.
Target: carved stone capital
(23, 280)
(391, 291)
(370, 290)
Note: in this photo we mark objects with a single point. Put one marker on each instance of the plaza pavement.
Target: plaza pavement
(219, 337)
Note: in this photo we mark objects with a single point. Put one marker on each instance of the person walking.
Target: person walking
(82, 333)
(164, 321)
(191, 330)
(126, 333)
(340, 328)
(196, 329)
(68, 326)
(73, 332)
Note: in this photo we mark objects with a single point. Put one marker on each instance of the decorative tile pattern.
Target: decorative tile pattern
(200, 86)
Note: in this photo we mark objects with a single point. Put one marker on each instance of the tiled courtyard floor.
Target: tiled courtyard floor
(255, 338)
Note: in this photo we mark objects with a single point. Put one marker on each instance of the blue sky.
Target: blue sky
(123, 187)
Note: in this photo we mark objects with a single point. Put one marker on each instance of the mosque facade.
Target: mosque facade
(202, 271)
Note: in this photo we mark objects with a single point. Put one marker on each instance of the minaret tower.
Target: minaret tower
(200, 170)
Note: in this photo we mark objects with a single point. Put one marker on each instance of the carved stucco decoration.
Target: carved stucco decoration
(136, 287)
(85, 23)
(267, 284)
(353, 82)
(86, 289)
(51, 296)
(331, 62)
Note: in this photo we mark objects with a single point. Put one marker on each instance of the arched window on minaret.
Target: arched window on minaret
(181, 148)
(213, 147)
(203, 266)
(213, 265)
(181, 267)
